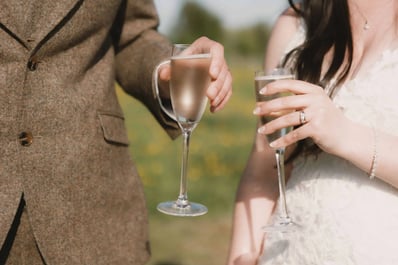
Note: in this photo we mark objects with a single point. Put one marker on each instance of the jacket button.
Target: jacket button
(25, 138)
(32, 64)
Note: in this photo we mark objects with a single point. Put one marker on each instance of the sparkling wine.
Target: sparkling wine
(259, 83)
(189, 80)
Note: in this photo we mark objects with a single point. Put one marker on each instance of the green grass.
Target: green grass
(218, 153)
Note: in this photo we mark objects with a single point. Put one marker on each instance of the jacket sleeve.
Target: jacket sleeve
(139, 48)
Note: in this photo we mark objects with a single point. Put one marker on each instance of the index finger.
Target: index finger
(296, 86)
(217, 53)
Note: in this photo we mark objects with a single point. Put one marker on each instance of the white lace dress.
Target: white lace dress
(346, 218)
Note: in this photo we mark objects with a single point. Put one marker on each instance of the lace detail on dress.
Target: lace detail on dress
(373, 99)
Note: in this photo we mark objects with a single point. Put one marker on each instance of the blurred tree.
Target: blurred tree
(195, 21)
(249, 41)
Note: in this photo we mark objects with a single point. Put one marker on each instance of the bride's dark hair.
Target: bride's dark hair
(327, 27)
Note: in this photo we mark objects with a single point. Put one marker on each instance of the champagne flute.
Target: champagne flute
(188, 84)
(283, 222)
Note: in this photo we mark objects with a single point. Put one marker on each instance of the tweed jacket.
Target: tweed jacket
(63, 142)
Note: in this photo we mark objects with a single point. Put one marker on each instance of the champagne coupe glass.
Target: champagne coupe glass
(283, 222)
(189, 81)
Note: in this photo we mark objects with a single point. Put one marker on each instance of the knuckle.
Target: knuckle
(319, 89)
(294, 135)
(203, 39)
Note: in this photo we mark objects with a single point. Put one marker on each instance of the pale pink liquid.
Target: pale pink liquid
(259, 83)
(188, 84)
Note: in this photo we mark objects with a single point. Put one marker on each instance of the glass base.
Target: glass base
(282, 225)
(190, 209)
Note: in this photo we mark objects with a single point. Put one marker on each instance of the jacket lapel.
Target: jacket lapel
(13, 18)
(34, 20)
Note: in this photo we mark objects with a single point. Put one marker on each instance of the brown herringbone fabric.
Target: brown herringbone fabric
(20, 247)
(58, 64)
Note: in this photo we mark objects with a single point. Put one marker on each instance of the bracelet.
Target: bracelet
(373, 168)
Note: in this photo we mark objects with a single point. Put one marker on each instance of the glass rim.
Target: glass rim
(277, 71)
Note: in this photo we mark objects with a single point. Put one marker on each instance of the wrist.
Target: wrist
(359, 146)
(353, 139)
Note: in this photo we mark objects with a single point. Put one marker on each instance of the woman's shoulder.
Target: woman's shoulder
(283, 32)
(288, 20)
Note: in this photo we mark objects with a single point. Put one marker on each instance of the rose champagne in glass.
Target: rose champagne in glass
(283, 222)
(188, 84)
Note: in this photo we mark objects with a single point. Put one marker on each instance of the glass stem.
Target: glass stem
(182, 200)
(280, 163)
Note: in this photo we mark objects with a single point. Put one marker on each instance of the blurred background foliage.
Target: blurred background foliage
(195, 20)
(219, 148)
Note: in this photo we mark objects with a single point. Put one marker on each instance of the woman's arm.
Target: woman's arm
(258, 188)
(255, 200)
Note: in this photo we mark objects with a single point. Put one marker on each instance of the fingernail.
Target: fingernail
(263, 90)
(256, 111)
(261, 130)
(272, 144)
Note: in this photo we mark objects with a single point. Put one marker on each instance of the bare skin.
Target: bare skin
(325, 125)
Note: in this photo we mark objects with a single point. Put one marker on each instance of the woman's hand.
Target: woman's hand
(311, 108)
